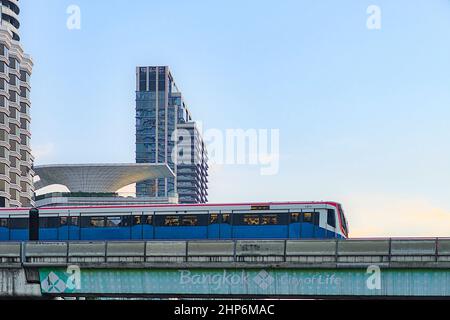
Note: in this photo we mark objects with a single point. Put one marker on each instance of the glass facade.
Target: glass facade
(160, 109)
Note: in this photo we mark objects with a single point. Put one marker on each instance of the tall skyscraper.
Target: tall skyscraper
(160, 115)
(16, 161)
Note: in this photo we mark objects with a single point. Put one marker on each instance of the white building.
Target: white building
(16, 161)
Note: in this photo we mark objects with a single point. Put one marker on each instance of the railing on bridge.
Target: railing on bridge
(326, 253)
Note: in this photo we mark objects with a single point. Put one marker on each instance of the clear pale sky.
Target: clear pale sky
(363, 114)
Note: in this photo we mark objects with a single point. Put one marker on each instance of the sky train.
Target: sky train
(289, 220)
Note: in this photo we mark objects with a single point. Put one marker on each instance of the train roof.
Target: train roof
(332, 203)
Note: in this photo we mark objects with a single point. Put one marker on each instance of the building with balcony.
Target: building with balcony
(192, 169)
(16, 161)
(160, 114)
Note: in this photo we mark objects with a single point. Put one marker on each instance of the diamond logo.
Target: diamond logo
(53, 284)
(264, 280)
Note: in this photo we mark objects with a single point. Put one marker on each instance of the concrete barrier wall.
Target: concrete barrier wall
(52, 249)
(413, 247)
(311, 248)
(211, 248)
(166, 249)
(444, 247)
(87, 249)
(10, 250)
(125, 249)
(260, 248)
(363, 247)
(383, 250)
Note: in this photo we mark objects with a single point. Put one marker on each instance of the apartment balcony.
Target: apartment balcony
(27, 179)
(25, 116)
(26, 132)
(26, 201)
(4, 75)
(15, 138)
(24, 100)
(16, 187)
(24, 84)
(16, 171)
(25, 147)
(15, 72)
(4, 126)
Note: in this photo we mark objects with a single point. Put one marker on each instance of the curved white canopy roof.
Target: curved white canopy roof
(99, 178)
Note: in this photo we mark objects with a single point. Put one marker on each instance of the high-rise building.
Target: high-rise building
(160, 113)
(16, 161)
(192, 169)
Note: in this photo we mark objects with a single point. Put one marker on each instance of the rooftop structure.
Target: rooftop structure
(99, 178)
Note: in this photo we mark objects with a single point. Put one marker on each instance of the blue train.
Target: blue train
(291, 220)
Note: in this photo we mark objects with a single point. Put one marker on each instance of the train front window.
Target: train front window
(343, 219)
(331, 218)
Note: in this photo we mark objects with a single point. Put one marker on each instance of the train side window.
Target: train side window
(226, 218)
(295, 217)
(270, 219)
(189, 221)
(308, 217)
(331, 218)
(63, 221)
(112, 222)
(214, 218)
(49, 223)
(19, 223)
(159, 221)
(251, 220)
(92, 222)
(4, 223)
(74, 221)
(172, 221)
(238, 219)
(126, 221)
(148, 220)
(97, 222)
(137, 220)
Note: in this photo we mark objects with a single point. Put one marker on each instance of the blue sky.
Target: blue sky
(363, 114)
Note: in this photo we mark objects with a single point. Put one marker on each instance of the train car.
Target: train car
(290, 220)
